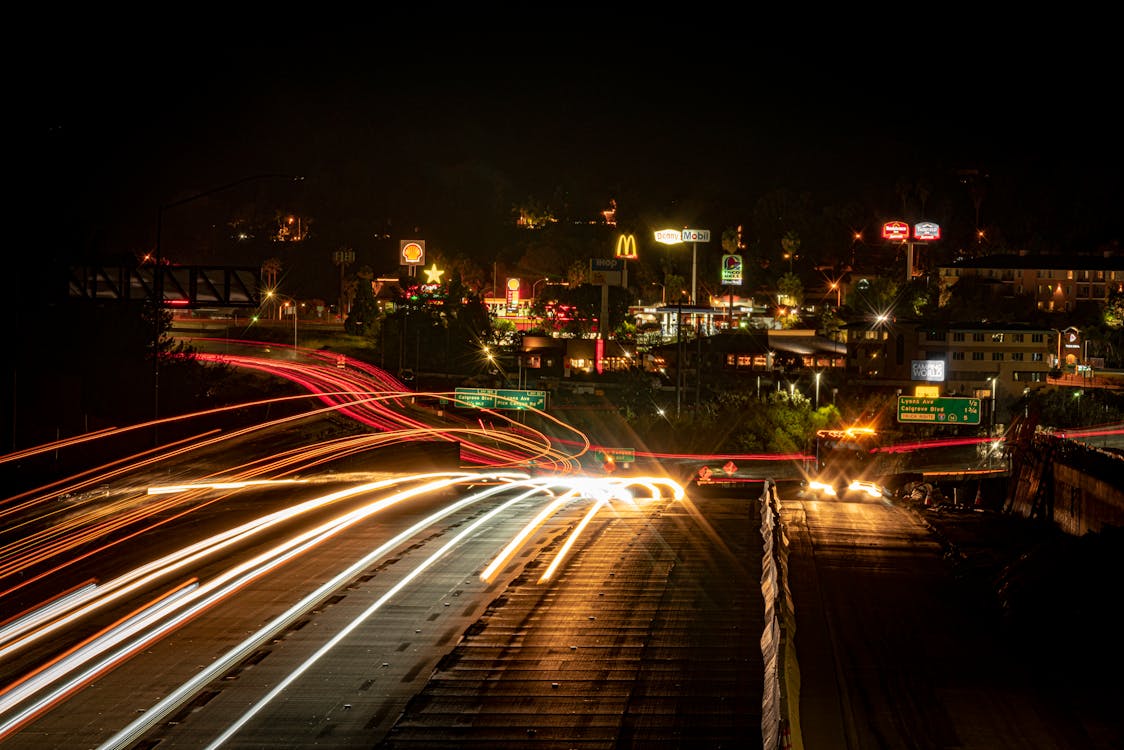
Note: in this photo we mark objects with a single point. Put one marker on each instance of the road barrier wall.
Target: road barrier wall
(780, 702)
(1075, 486)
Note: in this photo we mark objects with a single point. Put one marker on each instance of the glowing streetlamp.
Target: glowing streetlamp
(270, 294)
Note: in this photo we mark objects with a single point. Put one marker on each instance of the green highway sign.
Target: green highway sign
(945, 410)
(492, 398)
(618, 455)
(506, 399)
(479, 398)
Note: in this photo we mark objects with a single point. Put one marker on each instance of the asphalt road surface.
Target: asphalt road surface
(898, 649)
(648, 636)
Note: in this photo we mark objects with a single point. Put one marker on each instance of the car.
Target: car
(842, 488)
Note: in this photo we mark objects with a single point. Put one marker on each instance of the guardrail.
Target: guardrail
(780, 701)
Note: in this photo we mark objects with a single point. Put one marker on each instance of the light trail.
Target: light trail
(358, 391)
(184, 692)
(517, 541)
(110, 591)
(571, 540)
(200, 599)
(173, 488)
(13, 694)
(78, 666)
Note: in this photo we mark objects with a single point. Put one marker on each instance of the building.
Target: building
(1057, 283)
(972, 359)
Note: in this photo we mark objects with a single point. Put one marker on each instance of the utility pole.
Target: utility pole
(679, 355)
(342, 258)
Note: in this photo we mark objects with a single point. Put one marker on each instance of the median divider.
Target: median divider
(780, 701)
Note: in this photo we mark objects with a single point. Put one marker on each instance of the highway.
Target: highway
(262, 588)
(898, 650)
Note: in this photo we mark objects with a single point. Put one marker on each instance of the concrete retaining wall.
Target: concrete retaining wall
(1078, 487)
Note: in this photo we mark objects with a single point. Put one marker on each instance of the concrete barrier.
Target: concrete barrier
(1068, 483)
(780, 701)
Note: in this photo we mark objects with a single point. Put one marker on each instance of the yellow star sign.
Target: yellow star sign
(432, 275)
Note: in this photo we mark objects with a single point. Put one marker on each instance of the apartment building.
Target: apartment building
(974, 356)
(1057, 283)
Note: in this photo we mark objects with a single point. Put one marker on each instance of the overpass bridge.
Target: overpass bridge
(183, 287)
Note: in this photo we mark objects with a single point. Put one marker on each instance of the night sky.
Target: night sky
(401, 135)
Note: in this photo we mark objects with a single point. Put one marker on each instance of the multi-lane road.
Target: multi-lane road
(261, 593)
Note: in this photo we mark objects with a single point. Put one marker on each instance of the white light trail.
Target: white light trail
(184, 692)
(562, 553)
(377, 605)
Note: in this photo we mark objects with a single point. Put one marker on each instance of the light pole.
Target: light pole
(288, 301)
(991, 431)
(679, 356)
(818, 390)
(158, 280)
(663, 292)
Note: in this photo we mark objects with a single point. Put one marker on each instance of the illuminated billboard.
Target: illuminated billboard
(926, 230)
(895, 231)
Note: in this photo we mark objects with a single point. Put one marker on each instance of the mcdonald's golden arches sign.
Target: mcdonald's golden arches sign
(626, 247)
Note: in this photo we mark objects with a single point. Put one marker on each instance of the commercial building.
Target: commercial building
(1056, 283)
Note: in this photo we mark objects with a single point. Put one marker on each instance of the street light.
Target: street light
(994, 379)
(535, 286)
(818, 390)
(288, 301)
(663, 292)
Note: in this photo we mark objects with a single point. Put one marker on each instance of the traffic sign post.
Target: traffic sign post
(947, 410)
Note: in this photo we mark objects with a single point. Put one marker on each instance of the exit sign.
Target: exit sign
(946, 410)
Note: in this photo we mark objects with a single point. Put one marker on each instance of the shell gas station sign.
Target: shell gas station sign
(412, 252)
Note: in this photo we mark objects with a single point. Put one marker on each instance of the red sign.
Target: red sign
(895, 231)
(730, 468)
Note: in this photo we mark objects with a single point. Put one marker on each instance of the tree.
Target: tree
(363, 318)
(877, 295)
(791, 246)
(979, 298)
(731, 240)
(1114, 310)
(790, 289)
(585, 303)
